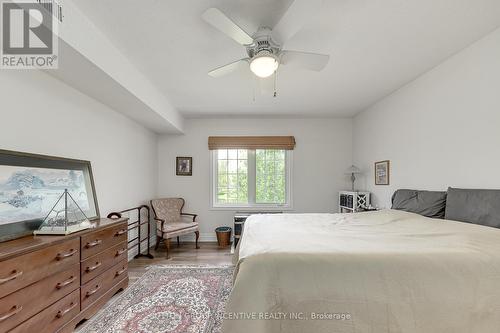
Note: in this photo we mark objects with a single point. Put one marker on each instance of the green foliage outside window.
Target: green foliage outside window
(270, 176)
(233, 176)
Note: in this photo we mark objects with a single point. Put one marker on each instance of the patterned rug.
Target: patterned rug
(168, 298)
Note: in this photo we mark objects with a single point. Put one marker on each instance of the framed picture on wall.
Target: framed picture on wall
(184, 166)
(382, 172)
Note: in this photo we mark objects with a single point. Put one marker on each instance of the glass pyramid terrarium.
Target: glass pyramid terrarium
(64, 218)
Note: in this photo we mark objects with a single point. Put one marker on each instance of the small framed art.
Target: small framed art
(382, 172)
(184, 166)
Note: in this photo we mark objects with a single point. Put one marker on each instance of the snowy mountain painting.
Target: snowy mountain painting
(29, 193)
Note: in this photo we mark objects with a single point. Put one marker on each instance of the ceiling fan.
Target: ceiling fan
(265, 47)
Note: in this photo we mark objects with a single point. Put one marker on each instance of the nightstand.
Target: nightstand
(353, 201)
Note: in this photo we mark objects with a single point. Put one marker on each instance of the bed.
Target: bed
(384, 271)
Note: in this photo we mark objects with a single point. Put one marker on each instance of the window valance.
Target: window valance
(251, 142)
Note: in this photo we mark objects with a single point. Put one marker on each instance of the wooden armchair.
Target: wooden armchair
(169, 221)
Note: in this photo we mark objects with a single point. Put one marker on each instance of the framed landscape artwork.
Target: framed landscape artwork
(31, 184)
(184, 166)
(382, 172)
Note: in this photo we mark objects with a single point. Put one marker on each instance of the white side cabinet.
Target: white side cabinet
(351, 202)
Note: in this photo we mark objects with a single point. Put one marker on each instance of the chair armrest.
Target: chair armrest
(160, 220)
(193, 215)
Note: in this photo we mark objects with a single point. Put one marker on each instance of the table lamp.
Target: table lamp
(353, 171)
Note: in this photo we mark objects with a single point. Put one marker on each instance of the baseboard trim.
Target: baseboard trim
(208, 237)
(204, 237)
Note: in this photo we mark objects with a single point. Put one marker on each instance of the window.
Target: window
(270, 176)
(232, 176)
(247, 178)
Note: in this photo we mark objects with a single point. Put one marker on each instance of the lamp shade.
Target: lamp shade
(353, 169)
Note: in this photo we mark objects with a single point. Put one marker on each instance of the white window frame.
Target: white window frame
(252, 205)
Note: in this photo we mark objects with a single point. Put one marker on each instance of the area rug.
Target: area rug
(168, 298)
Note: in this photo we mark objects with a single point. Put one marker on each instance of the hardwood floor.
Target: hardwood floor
(208, 253)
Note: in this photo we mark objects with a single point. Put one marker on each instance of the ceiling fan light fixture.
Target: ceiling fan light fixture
(264, 65)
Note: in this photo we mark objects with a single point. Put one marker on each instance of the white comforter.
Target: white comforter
(386, 271)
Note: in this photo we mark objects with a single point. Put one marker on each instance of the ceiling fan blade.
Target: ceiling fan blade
(310, 61)
(220, 21)
(299, 12)
(226, 69)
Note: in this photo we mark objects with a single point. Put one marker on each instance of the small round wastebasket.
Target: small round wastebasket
(223, 236)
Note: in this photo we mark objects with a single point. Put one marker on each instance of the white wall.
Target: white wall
(323, 152)
(40, 114)
(441, 130)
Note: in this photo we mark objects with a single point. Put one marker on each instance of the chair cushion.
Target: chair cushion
(175, 226)
(175, 229)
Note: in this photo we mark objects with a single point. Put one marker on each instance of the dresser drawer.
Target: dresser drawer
(53, 317)
(95, 265)
(23, 304)
(100, 240)
(23, 270)
(97, 287)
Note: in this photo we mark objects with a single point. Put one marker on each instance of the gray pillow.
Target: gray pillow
(474, 206)
(426, 203)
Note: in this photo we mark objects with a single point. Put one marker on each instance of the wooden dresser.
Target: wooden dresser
(51, 283)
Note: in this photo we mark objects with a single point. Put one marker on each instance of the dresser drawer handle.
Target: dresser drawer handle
(61, 313)
(15, 274)
(121, 271)
(94, 243)
(93, 291)
(120, 232)
(93, 268)
(120, 252)
(12, 312)
(61, 256)
(65, 283)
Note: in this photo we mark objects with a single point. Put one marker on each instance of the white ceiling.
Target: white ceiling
(376, 46)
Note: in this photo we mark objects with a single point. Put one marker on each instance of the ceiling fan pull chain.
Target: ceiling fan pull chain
(275, 83)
